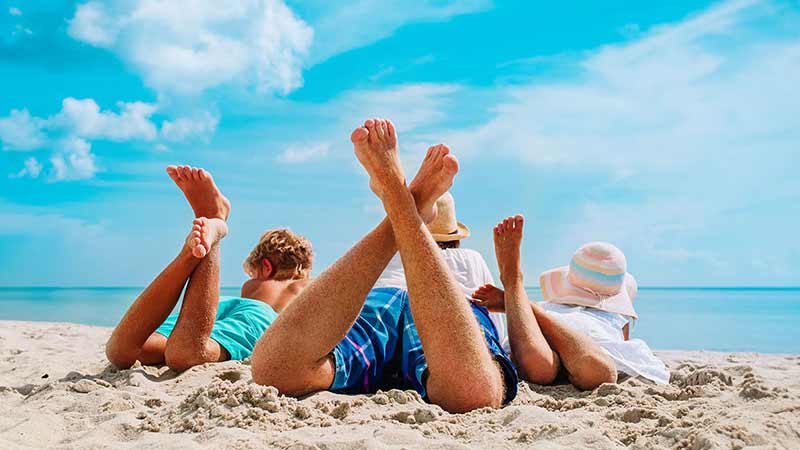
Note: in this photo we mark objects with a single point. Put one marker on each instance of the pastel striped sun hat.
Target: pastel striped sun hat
(597, 277)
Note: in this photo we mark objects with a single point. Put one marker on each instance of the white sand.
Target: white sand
(57, 391)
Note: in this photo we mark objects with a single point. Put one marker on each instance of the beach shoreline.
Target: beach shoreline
(58, 391)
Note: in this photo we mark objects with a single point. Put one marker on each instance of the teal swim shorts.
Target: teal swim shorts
(240, 323)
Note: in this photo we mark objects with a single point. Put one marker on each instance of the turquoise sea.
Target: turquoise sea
(722, 319)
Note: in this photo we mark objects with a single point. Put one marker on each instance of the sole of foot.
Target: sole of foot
(375, 145)
(434, 177)
(200, 190)
(206, 232)
(507, 242)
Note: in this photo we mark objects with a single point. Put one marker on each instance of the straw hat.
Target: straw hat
(597, 277)
(445, 228)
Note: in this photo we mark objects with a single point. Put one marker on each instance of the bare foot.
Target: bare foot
(490, 297)
(376, 149)
(434, 178)
(204, 235)
(507, 242)
(199, 188)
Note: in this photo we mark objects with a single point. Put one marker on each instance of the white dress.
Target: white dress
(632, 357)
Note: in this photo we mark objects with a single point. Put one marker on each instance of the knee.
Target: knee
(118, 357)
(466, 395)
(181, 358)
(543, 376)
(540, 372)
(593, 370)
(278, 375)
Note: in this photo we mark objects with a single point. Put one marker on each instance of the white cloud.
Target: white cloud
(14, 11)
(684, 126)
(185, 128)
(93, 25)
(85, 119)
(188, 47)
(296, 153)
(80, 121)
(32, 168)
(20, 131)
(681, 94)
(343, 26)
(75, 162)
(409, 106)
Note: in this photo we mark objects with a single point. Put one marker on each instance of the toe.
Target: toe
(380, 127)
(450, 164)
(202, 174)
(431, 151)
(185, 172)
(372, 127)
(172, 171)
(359, 135)
(390, 129)
(195, 173)
(519, 220)
(199, 251)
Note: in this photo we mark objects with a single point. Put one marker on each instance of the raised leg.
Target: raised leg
(539, 340)
(536, 361)
(294, 354)
(462, 374)
(189, 343)
(134, 337)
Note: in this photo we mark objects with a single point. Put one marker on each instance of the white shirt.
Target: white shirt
(470, 271)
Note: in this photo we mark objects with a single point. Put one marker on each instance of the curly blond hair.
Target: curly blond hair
(290, 254)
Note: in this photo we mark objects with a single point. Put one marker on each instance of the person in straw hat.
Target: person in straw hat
(467, 265)
(582, 326)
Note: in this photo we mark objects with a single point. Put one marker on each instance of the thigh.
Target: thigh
(414, 366)
(364, 355)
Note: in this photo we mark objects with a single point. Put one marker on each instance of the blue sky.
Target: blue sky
(667, 128)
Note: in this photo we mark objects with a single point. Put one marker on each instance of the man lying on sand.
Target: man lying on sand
(582, 325)
(341, 334)
(208, 329)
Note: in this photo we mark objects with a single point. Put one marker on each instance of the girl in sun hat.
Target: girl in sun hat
(594, 294)
(594, 297)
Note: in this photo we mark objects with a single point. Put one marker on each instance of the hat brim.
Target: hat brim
(461, 232)
(556, 288)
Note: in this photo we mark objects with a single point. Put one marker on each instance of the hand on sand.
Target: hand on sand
(204, 235)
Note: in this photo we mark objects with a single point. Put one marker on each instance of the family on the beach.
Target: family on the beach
(429, 319)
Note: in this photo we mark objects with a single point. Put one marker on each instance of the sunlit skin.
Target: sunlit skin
(540, 343)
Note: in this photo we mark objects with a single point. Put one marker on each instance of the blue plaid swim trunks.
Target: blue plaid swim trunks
(384, 343)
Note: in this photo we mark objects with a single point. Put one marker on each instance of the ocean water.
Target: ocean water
(721, 319)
